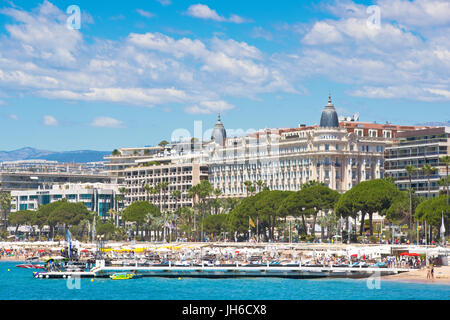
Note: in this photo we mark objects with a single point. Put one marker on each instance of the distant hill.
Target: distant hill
(80, 156)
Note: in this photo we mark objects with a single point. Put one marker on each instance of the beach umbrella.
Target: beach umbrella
(85, 250)
(414, 255)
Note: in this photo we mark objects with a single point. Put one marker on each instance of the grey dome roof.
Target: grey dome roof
(329, 116)
(219, 134)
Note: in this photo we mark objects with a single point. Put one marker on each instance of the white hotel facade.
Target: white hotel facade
(339, 154)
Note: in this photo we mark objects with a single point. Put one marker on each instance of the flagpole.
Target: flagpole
(249, 230)
(257, 233)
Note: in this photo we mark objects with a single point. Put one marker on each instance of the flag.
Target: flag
(250, 221)
(69, 240)
(442, 225)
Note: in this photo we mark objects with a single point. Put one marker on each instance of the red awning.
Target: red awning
(85, 250)
(410, 254)
(40, 251)
(354, 255)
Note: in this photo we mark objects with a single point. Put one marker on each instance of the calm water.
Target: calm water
(19, 284)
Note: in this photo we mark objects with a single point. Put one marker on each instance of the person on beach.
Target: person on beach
(428, 272)
(432, 272)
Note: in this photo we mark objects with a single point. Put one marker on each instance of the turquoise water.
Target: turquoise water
(19, 284)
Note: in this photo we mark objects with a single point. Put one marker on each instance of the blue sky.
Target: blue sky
(138, 70)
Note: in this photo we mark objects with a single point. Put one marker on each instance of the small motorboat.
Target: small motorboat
(121, 276)
(31, 264)
(125, 276)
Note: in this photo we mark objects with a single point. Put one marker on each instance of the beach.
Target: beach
(441, 276)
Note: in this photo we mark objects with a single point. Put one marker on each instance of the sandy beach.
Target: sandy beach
(441, 276)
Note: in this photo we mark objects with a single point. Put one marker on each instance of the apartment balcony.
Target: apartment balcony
(415, 155)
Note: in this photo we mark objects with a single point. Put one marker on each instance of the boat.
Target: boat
(121, 276)
(31, 264)
(125, 276)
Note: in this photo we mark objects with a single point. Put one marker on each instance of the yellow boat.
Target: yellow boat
(122, 276)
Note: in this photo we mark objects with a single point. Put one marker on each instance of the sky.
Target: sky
(135, 71)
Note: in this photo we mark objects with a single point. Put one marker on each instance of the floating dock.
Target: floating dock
(216, 272)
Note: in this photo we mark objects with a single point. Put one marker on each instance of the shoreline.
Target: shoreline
(441, 276)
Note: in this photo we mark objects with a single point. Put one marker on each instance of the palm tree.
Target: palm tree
(147, 190)
(217, 193)
(193, 193)
(158, 189)
(176, 194)
(410, 170)
(248, 185)
(428, 170)
(163, 186)
(260, 185)
(446, 161)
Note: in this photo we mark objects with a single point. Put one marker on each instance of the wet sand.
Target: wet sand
(441, 276)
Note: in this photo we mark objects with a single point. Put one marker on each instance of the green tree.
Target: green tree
(106, 229)
(446, 161)
(410, 170)
(5, 206)
(21, 218)
(368, 197)
(431, 211)
(176, 194)
(260, 185)
(428, 170)
(163, 143)
(215, 224)
(248, 185)
(137, 212)
(116, 152)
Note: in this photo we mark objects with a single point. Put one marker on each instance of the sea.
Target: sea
(19, 284)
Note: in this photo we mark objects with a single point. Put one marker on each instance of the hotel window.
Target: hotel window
(359, 132)
(387, 134)
(373, 133)
(327, 147)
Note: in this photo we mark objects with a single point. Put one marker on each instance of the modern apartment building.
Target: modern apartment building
(23, 180)
(179, 177)
(418, 148)
(98, 197)
(125, 158)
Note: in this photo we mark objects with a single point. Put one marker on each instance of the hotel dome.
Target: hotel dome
(219, 134)
(329, 116)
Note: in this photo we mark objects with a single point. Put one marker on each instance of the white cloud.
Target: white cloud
(208, 107)
(204, 12)
(50, 121)
(145, 14)
(322, 33)
(13, 117)
(107, 122)
(422, 13)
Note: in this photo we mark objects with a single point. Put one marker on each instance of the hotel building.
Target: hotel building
(418, 148)
(97, 197)
(340, 154)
